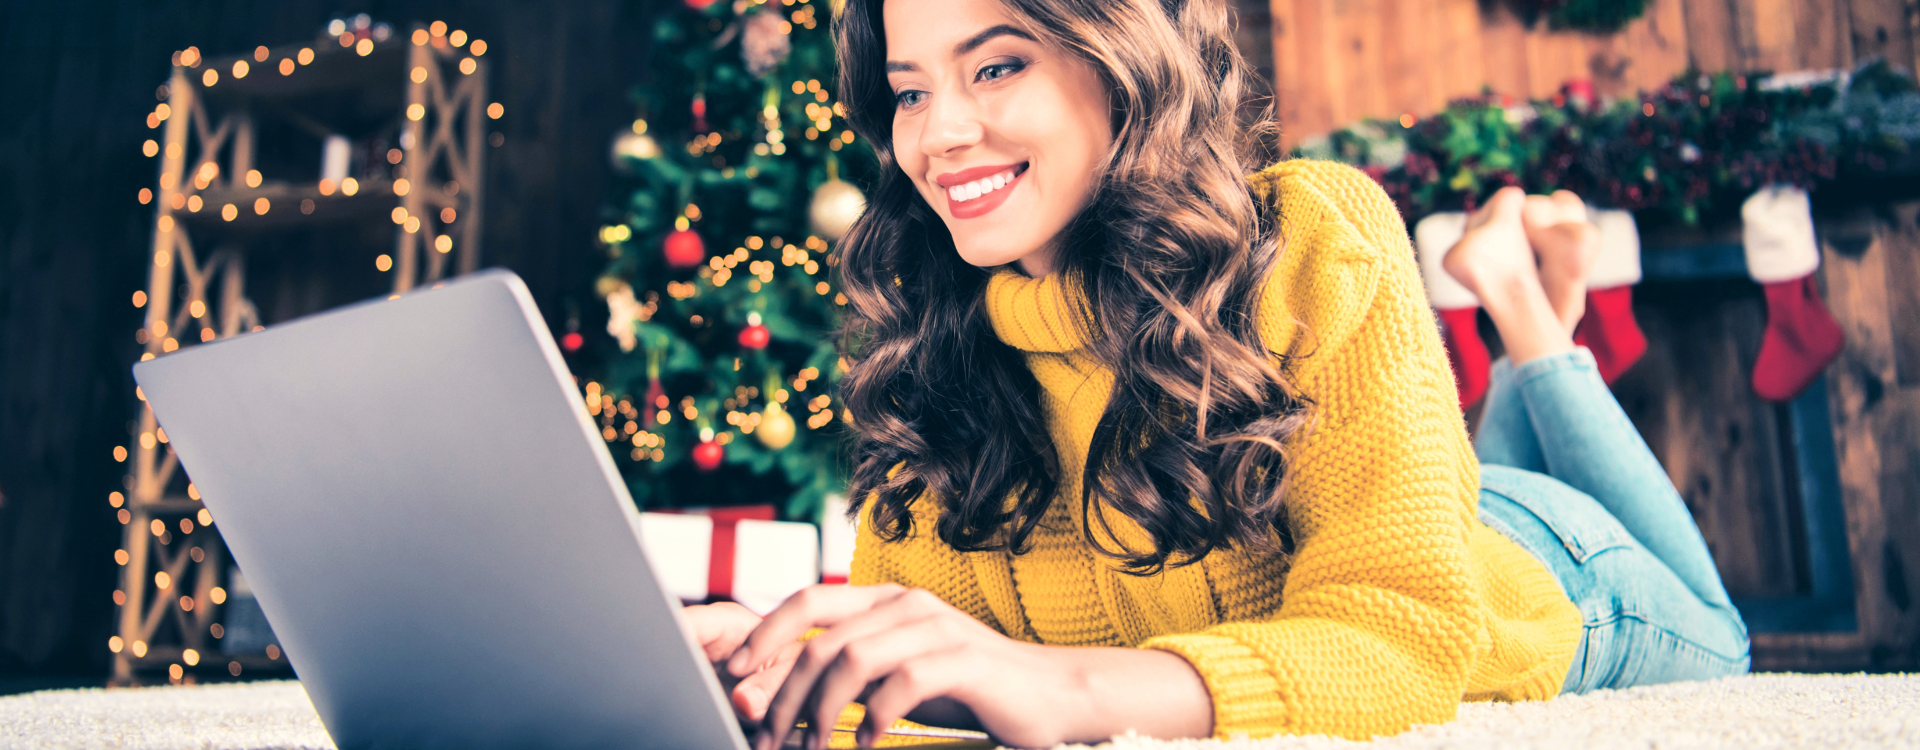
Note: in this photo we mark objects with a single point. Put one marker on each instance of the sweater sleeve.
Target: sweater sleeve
(1380, 623)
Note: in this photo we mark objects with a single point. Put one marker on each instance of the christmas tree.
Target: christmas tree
(719, 291)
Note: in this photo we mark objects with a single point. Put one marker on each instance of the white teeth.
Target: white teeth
(973, 190)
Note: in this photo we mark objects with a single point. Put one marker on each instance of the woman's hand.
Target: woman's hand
(720, 629)
(908, 654)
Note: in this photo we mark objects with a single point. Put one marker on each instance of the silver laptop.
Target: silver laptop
(435, 530)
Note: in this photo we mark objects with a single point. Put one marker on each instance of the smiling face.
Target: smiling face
(1003, 135)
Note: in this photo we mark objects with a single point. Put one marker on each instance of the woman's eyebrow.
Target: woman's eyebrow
(971, 43)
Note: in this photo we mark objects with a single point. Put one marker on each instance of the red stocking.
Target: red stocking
(1801, 340)
(1460, 327)
(1610, 331)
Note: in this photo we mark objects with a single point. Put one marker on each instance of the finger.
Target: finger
(814, 607)
(720, 628)
(821, 652)
(931, 676)
(869, 659)
(753, 692)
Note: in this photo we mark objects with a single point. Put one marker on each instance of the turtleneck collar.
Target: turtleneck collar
(1036, 315)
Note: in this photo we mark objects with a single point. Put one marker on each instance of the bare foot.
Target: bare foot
(1493, 253)
(1495, 261)
(1566, 243)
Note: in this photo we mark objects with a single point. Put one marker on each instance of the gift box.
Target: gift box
(836, 541)
(731, 554)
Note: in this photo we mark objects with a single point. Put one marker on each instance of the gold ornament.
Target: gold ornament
(631, 145)
(836, 204)
(776, 427)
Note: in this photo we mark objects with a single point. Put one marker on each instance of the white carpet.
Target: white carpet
(1755, 712)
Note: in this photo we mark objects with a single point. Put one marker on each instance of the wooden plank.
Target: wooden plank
(1304, 69)
(1656, 47)
(1856, 293)
(1767, 34)
(1902, 245)
(1553, 57)
(1892, 592)
(1878, 28)
(1410, 80)
(1504, 47)
(1356, 50)
(1713, 41)
(1287, 95)
(1820, 34)
(1462, 60)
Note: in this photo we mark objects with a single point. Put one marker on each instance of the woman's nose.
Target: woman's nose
(953, 123)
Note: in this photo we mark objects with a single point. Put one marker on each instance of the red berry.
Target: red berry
(572, 341)
(683, 248)
(708, 455)
(755, 336)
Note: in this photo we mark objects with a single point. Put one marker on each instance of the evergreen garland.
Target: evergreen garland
(1694, 147)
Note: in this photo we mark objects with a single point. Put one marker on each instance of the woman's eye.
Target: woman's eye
(908, 98)
(999, 70)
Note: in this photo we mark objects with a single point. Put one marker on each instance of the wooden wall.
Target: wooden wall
(1338, 61)
(1873, 289)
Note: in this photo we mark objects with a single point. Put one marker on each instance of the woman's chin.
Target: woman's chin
(989, 255)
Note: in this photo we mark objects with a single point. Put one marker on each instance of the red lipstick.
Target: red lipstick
(985, 203)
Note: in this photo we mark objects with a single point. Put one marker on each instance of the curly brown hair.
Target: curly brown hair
(1170, 258)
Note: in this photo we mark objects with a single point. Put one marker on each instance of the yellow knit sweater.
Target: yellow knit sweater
(1398, 603)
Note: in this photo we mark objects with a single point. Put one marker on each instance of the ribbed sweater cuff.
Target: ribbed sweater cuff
(1246, 697)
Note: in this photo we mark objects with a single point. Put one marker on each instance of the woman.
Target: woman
(1147, 444)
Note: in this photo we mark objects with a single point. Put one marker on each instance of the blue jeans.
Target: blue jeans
(1565, 475)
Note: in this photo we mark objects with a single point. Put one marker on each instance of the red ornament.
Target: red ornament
(572, 341)
(683, 248)
(699, 4)
(708, 455)
(699, 113)
(755, 336)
